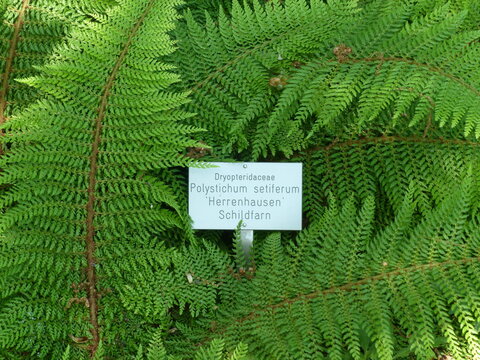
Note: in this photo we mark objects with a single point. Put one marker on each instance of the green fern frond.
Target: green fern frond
(281, 76)
(100, 352)
(388, 165)
(240, 256)
(472, 20)
(378, 99)
(83, 213)
(156, 350)
(214, 351)
(240, 352)
(29, 32)
(186, 279)
(92, 7)
(408, 284)
(66, 354)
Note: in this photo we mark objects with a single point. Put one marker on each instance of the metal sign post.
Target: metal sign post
(246, 238)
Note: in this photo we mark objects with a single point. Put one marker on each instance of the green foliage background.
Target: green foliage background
(104, 105)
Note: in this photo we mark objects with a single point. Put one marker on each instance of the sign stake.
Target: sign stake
(246, 238)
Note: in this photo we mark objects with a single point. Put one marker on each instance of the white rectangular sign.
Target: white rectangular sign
(265, 196)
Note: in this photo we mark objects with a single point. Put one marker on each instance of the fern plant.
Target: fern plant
(385, 167)
(378, 99)
(282, 78)
(156, 351)
(82, 215)
(369, 98)
(215, 351)
(29, 31)
(407, 284)
(365, 95)
(472, 20)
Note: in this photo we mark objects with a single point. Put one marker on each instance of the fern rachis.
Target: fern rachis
(89, 193)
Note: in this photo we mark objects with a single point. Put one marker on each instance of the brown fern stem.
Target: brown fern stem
(9, 63)
(345, 287)
(386, 139)
(92, 290)
(375, 59)
(353, 285)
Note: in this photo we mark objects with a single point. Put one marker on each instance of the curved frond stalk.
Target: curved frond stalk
(388, 165)
(83, 214)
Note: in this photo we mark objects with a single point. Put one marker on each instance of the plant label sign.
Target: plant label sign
(265, 196)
